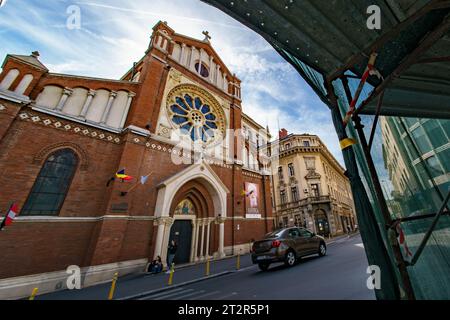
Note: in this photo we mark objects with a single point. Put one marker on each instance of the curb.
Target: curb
(143, 294)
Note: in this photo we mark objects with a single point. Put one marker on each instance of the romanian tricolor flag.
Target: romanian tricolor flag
(10, 215)
(124, 177)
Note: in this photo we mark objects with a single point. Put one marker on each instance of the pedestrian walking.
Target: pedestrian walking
(171, 254)
(348, 230)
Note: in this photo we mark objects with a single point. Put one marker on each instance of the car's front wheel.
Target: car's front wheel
(263, 266)
(290, 259)
(322, 249)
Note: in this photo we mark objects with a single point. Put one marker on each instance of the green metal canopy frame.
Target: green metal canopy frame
(329, 42)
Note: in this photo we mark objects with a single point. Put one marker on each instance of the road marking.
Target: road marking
(359, 245)
(161, 294)
(205, 295)
(167, 295)
(227, 295)
(188, 295)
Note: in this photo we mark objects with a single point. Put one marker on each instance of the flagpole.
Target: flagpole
(137, 184)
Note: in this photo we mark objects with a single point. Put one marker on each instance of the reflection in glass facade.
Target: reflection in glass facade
(416, 157)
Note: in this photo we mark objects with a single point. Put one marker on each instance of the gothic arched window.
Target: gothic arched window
(52, 184)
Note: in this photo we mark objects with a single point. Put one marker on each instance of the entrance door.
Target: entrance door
(322, 226)
(181, 232)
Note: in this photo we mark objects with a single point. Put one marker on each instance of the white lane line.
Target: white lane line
(359, 245)
(188, 295)
(226, 296)
(173, 294)
(161, 294)
(204, 295)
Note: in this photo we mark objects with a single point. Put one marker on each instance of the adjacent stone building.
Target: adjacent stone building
(309, 186)
(174, 120)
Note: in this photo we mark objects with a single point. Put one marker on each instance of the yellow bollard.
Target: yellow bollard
(172, 270)
(238, 261)
(113, 286)
(207, 266)
(33, 294)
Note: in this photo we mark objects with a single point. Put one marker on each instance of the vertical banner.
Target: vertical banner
(252, 200)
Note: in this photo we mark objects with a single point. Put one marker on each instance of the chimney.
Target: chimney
(282, 133)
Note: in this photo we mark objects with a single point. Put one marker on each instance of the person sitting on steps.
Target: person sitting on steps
(155, 266)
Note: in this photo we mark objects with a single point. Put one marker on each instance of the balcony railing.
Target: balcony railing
(304, 202)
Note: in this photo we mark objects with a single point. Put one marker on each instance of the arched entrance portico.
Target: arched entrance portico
(195, 194)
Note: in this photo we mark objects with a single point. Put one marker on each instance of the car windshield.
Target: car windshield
(274, 234)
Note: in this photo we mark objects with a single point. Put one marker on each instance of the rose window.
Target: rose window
(198, 117)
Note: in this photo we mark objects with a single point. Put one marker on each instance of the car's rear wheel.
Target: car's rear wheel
(322, 249)
(290, 258)
(263, 266)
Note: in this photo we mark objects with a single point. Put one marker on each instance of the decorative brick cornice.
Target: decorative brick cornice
(68, 126)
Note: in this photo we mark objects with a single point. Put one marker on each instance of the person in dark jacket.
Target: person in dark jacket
(171, 254)
(155, 266)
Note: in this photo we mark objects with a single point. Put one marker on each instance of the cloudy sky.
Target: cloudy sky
(114, 34)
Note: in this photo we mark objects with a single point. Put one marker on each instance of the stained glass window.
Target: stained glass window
(194, 117)
(52, 184)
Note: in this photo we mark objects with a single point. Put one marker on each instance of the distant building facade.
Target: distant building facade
(309, 186)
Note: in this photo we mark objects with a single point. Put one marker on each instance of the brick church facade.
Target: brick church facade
(175, 117)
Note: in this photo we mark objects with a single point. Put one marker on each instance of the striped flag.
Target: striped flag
(10, 215)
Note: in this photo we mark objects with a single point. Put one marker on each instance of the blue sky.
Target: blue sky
(114, 34)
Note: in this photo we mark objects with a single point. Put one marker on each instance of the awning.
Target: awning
(332, 39)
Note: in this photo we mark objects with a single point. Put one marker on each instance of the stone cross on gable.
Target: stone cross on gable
(207, 36)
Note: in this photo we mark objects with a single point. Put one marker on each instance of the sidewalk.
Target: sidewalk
(131, 285)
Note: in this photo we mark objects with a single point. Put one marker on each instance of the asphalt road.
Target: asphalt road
(341, 274)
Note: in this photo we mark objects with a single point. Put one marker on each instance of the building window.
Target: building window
(291, 169)
(310, 163)
(283, 197)
(315, 190)
(52, 184)
(306, 143)
(287, 146)
(202, 69)
(294, 192)
(280, 173)
(195, 116)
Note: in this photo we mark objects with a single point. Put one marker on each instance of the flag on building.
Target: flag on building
(407, 254)
(245, 193)
(10, 216)
(144, 179)
(121, 175)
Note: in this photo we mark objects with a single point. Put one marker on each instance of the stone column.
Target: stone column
(207, 239)
(192, 62)
(217, 74)
(67, 92)
(202, 256)
(131, 95)
(197, 229)
(183, 54)
(159, 238)
(107, 110)
(87, 103)
(200, 59)
(211, 70)
(221, 222)
(193, 239)
(225, 83)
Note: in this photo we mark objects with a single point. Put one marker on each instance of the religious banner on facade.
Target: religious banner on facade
(251, 201)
